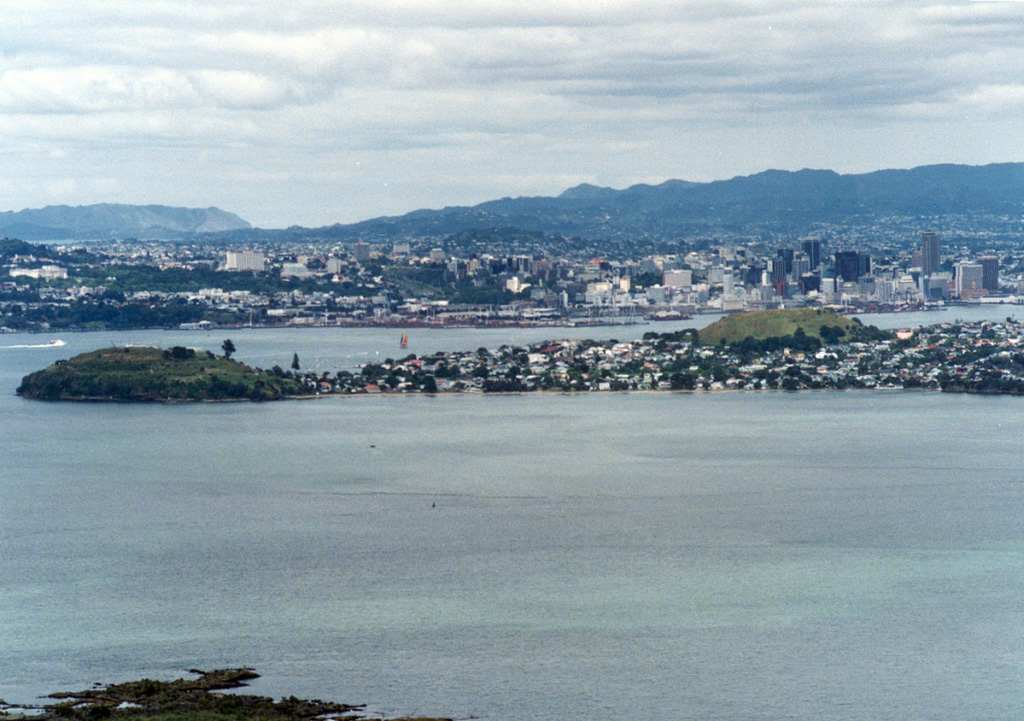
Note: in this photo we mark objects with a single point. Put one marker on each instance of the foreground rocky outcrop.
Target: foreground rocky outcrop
(193, 699)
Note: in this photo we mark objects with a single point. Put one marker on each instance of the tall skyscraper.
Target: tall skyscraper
(863, 265)
(777, 270)
(989, 273)
(847, 264)
(786, 255)
(930, 259)
(812, 249)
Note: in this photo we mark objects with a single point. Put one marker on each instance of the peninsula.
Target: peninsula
(790, 349)
(145, 373)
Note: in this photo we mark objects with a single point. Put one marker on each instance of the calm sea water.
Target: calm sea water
(731, 556)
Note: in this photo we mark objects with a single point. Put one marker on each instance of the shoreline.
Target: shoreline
(538, 392)
(581, 322)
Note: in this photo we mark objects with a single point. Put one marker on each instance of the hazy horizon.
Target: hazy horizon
(412, 210)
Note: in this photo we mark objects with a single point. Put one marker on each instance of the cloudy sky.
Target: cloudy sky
(311, 112)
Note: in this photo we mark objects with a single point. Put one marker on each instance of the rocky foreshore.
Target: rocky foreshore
(195, 699)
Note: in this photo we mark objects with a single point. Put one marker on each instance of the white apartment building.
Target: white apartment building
(969, 278)
(48, 272)
(680, 279)
(251, 260)
(294, 270)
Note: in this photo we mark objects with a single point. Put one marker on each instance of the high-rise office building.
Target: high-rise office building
(777, 270)
(930, 256)
(786, 256)
(801, 264)
(989, 273)
(847, 265)
(812, 249)
(810, 282)
(851, 265)
(864, 264)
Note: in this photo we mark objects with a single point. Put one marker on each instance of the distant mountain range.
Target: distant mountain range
(675, 207)
(94, 222)
(775, 196)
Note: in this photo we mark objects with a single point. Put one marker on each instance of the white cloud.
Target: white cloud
(508, 93)
(237, 89)
(89, 89)
(1007, 99)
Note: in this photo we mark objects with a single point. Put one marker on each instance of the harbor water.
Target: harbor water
(805, 556)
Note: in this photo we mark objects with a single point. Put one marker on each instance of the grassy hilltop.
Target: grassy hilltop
(143, 373)
(825, 325)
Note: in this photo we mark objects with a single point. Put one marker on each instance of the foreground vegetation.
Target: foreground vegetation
(185, 700)
(144, 373)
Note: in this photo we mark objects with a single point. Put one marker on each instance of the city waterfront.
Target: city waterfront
(836, 555)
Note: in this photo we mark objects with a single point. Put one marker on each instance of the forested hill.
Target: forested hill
(666, 210)
(676, 206)
(146, 374)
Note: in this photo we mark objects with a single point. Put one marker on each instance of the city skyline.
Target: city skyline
(339, 112)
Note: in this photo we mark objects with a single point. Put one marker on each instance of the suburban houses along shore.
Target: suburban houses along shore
(978, 357)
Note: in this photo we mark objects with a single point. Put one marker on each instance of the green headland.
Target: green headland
(826, 325)
(145, 373)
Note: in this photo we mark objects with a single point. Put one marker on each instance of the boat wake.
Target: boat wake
(51, 344)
